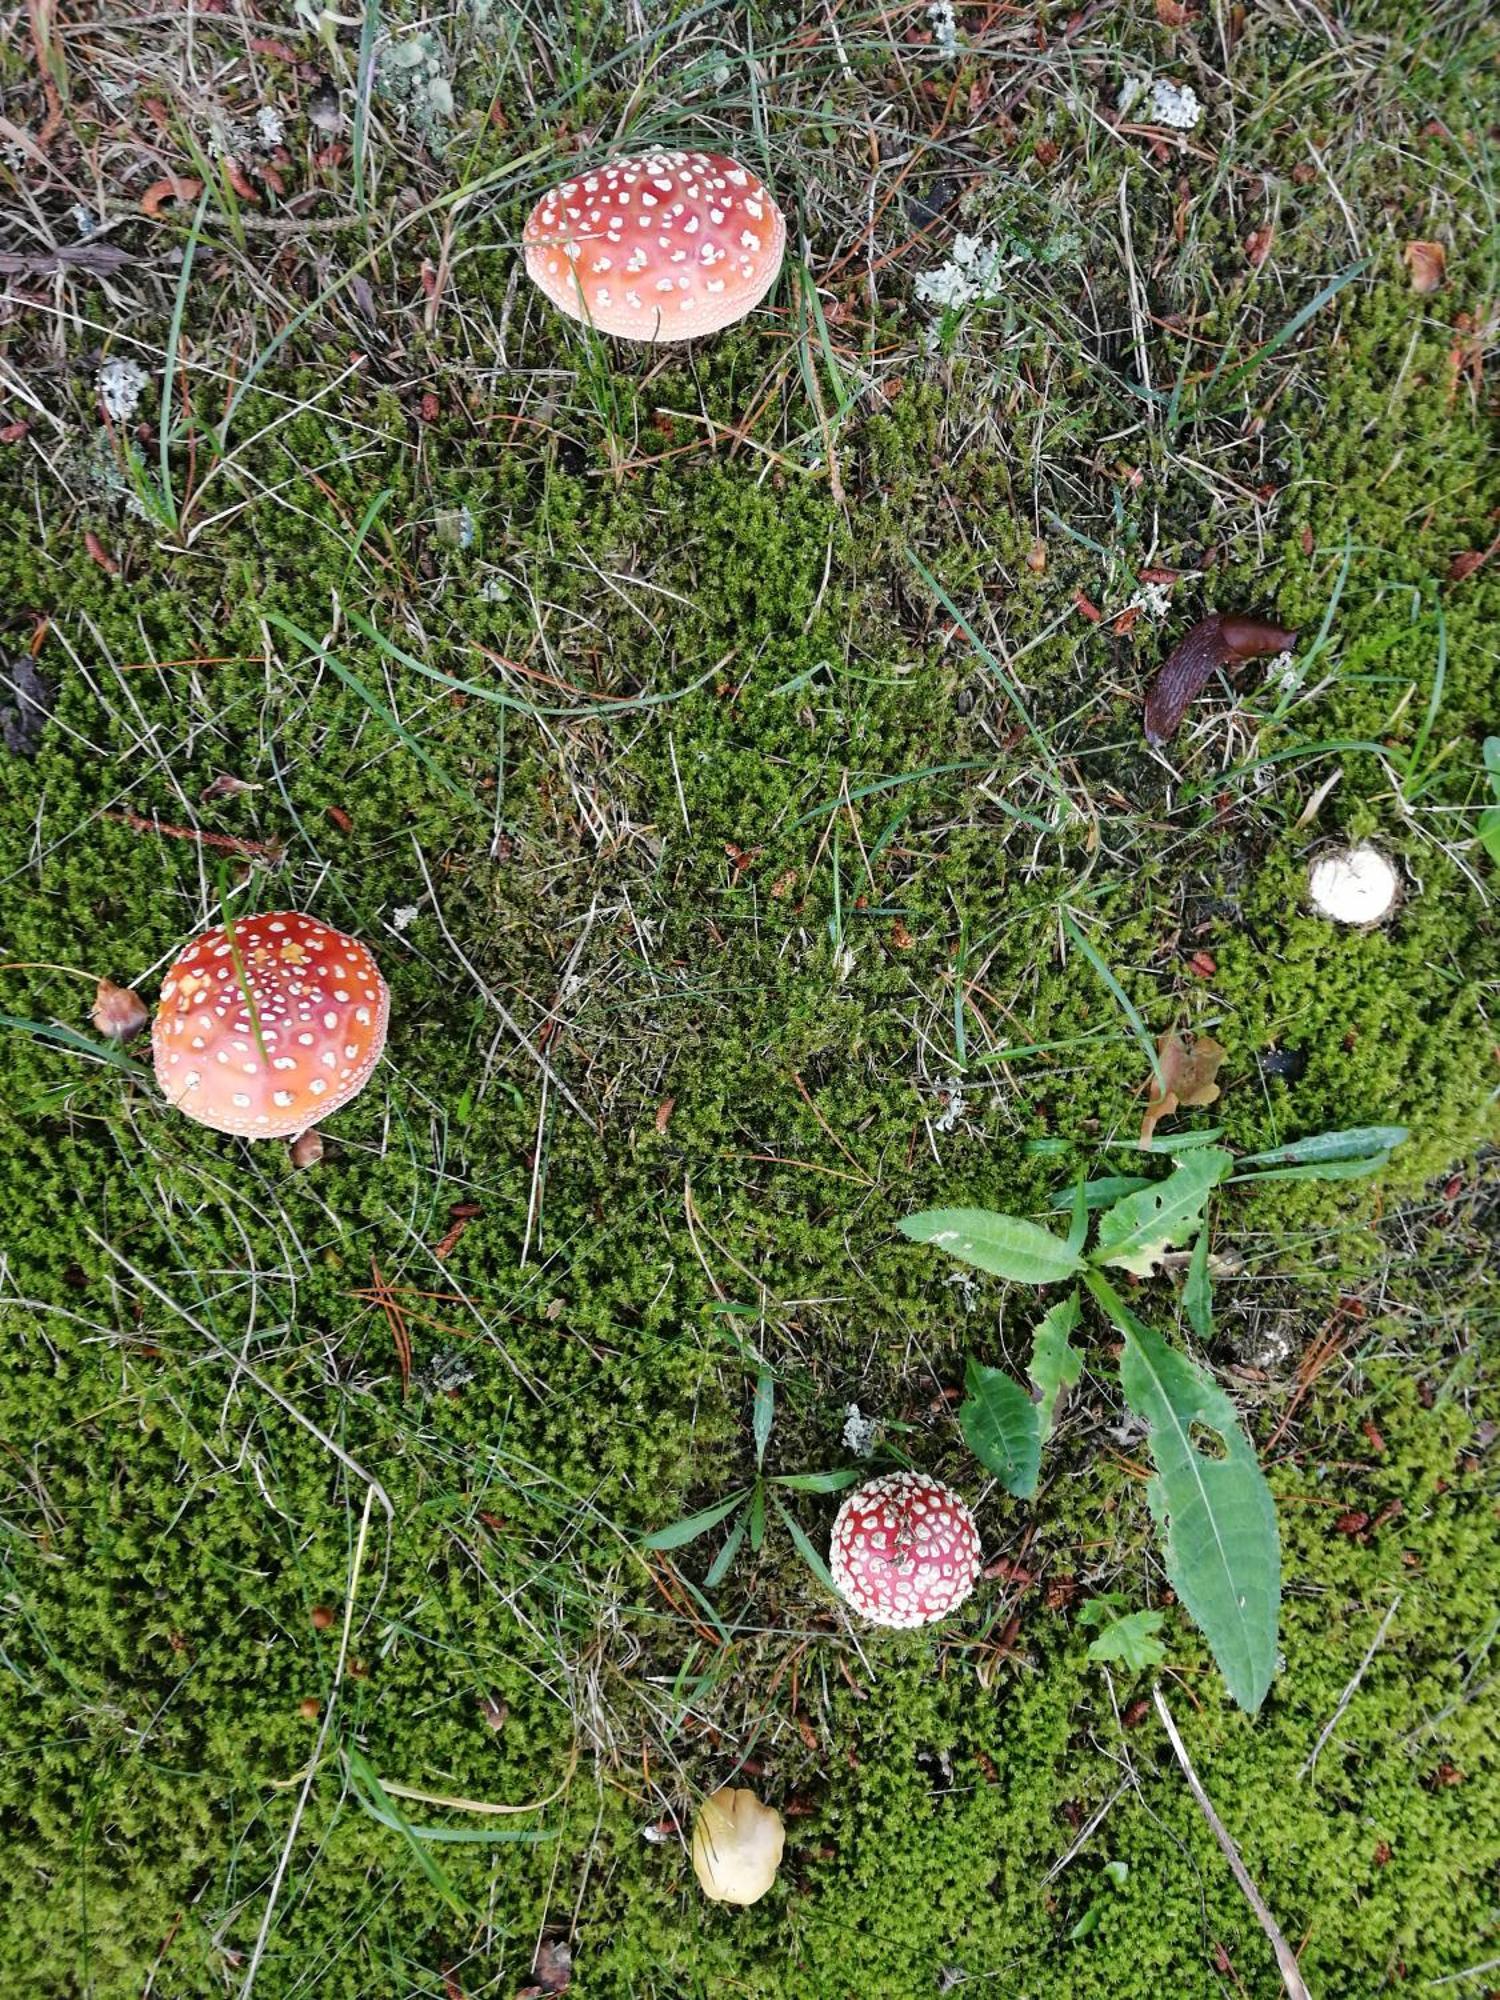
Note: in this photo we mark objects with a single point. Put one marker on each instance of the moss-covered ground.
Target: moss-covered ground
(722, 906)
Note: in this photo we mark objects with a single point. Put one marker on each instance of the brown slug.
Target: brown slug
(1215, 641)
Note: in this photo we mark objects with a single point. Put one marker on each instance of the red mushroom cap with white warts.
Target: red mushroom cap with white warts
(657, 246)
(266, 1027)
(905, 1550)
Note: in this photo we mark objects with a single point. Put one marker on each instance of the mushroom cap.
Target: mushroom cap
(268, 1045)
(905, 1550)
(657, 246)
(1354, 885)
(737, 1846)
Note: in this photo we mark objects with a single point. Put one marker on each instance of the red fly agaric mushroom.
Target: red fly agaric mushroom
(267, 1025)
(657, 246)
(905, 1550)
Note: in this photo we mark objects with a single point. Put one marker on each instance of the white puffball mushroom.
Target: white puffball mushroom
(737, 1845)
(1354, 885)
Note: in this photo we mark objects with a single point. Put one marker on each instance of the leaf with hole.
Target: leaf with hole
(1141, 1227)
(1007, 1246)
(1210, 1501)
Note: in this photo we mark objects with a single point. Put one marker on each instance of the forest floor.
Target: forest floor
(730, 908)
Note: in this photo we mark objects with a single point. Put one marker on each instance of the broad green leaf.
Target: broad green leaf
(1078, 1226)
(1140, 1227)
(1215, 1514)
(1055, 1365)
(1005, 1429)
(1002, 1427)
(819, 1482)
(1008, 1246)
(1488, 827)
(1360, 1142)
(680, 1533)
(1174, 1143)
(1325, 1170)
(1198, 1292)
(1100, 1193)
(758, 1516)
(1131, 1642)
(807, 1552)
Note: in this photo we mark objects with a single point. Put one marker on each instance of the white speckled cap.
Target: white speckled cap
(657, 246)
(265, 1032)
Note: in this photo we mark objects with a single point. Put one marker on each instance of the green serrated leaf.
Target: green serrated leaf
(1055, 1364)
(1002, 1427)
(1007, 1246)
(680, 1533)
(1215, 1514)
(1131, 1642)
(1136, 1232)
(1198, 1292)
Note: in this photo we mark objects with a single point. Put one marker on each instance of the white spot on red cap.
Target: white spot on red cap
(680, 205)
(261, 966)
(904, 1550)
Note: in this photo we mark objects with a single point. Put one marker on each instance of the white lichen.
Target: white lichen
(944, 28)
(120, 385)
(972, 272)
(953, 1109)
(268, 127)
(860, 1431)
(403, 918)
(1174, 105)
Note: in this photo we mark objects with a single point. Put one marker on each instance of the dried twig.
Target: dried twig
(1286, 1961)
(1348, 1695)
(226, 843)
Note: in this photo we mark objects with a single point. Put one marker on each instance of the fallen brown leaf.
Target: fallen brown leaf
(172, 188)
(1189, 1073)
(1258, 244)
(1427, 263)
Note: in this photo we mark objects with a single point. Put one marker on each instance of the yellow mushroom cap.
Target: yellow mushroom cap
(737, 1846)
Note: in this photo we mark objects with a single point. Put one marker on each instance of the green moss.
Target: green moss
(659, 827)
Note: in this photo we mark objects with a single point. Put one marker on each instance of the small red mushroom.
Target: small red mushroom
(265, 1027)
(657, 246)
(905, 1550)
